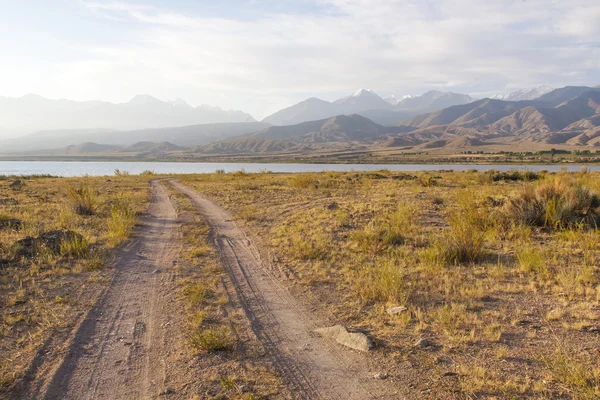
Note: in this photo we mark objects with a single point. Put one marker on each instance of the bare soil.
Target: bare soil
(313, 367)
(119, 348)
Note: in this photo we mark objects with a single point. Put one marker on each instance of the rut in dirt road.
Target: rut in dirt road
(118, 351)
(311, 366)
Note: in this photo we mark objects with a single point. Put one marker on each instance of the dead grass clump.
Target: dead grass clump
(74, 246)
(390, 229)
(531, 260)
(557, 205)
(576, 372)
(212, 340)
(383, 281)
(462, 242)
(122, 220)
(83, 199)
(196, 293)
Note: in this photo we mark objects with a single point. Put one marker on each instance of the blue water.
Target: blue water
(80, 168)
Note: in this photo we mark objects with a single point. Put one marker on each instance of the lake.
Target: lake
(92, 168)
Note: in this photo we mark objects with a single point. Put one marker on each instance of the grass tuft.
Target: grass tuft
(83, 199)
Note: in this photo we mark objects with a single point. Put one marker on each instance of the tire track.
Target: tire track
(118, 351)
(311, 366)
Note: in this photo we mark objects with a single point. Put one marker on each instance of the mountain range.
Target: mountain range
(568, 116)
(31, 113)
(367, 103)
(342, 131)
(523, 94)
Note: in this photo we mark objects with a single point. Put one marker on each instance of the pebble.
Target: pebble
(423, 342)
(396, 310)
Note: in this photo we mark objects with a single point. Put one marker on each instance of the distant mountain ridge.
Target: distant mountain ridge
(338, 131)
(367, 103)
(192, 135)
(32, 113)
(569, 116)
(524, 94)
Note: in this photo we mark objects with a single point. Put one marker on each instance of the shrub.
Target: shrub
(118, 172)
(211, 339)
(390, 229)
(383, 282)
(462, 242)
(556, 204)
(76, 247)
(196, 294)
(532, 260)
(122, 219)
(83, 200)
(575, 371)
(303, 181)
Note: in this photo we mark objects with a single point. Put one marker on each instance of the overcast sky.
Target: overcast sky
(262, 55)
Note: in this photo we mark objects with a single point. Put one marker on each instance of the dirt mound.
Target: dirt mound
(51, 240)
(10, 223)
(8, 201)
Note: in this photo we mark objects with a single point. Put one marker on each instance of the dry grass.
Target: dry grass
(221, 345)
(478, 259)
(41, 295)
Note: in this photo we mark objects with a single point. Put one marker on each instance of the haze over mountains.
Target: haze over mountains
(30, 113)
(568, 116)
(367, 103)
(434, 121)
(523, 94)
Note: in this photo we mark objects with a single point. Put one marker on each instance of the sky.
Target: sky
(262, 55)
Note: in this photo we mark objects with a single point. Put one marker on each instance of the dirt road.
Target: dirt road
(314, 367)
(122, 346)
(119, 349)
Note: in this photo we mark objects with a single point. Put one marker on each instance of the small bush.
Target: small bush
(122, 220)
(75, 247)
(556, 205)
(576, 372)
(196, 294)
(383, 282)
(462, 242)
(303, 181)
(532, 260)
(83, 199)
(211, 339)
(390, 229)
(118, 172)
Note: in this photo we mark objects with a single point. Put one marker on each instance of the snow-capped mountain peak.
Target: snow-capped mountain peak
(524, 94)
(179, 102)
(361, 92)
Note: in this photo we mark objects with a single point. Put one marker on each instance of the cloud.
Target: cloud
(278, 57)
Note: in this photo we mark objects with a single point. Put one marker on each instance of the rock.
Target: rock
(16, 185)
(354, 340)
(423, 342)
(10, 223)
(381, 376)
(52, 240)
(8, 201)
(396, 310)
